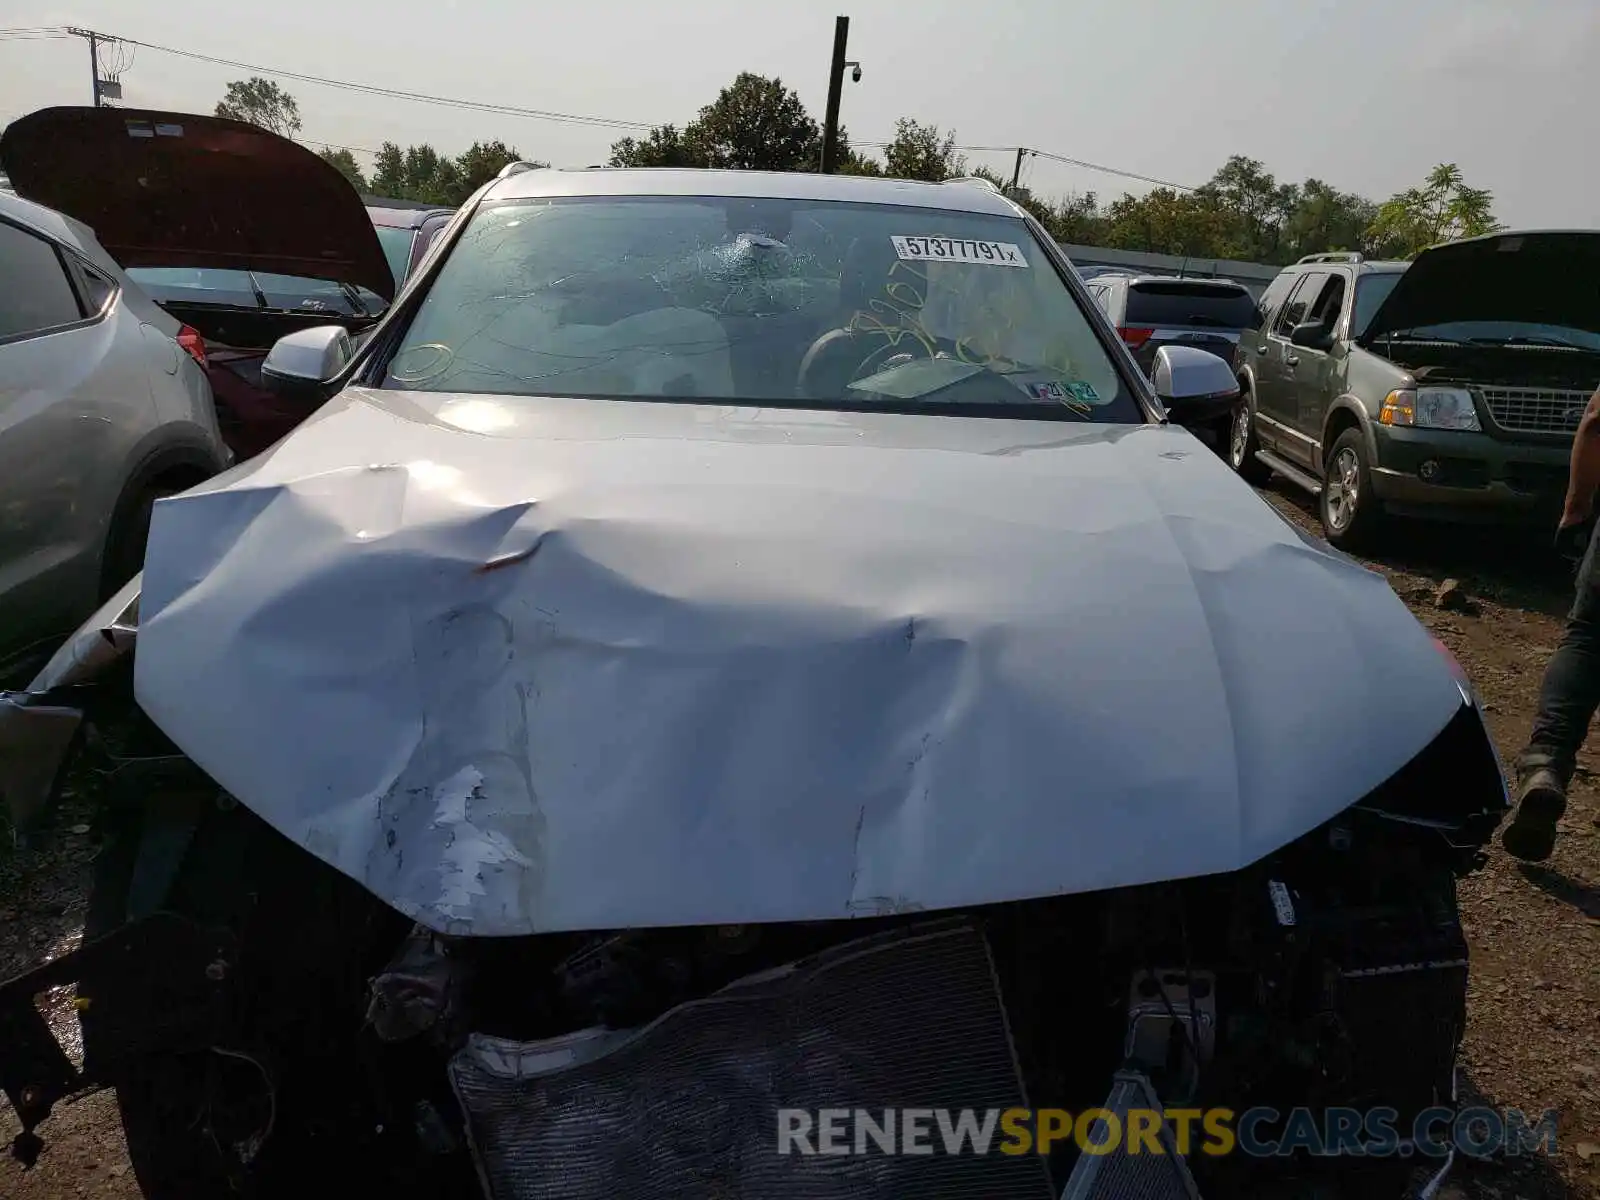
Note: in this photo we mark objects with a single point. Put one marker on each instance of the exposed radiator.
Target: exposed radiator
(688, 1105)
(1119, 1175)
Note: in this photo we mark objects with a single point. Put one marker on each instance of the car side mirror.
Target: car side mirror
(306, 361)
(1312, 335)
(1188, 373)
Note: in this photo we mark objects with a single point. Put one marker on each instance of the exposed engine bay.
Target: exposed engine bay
(1517, 365)
(661, 1061)
(653, 1063)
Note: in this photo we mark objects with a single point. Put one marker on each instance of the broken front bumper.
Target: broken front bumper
(753, 1090)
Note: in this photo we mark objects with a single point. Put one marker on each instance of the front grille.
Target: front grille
(688, 1104)
(1535, 410)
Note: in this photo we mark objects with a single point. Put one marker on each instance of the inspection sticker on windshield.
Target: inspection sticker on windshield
(964, 250)
(1076, 393)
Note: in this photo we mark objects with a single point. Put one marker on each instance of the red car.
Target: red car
(242, 235)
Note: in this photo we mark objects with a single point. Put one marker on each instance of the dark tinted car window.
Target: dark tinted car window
(1212, 305)
(1329, 303)
(1371, 291)
(396, 245)
(35, 294)
(1275, 295)
(1294, 312)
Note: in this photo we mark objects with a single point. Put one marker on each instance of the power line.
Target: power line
(339, 146)
(1060, 158)
(1089, 166)
(27, 33)
(396, 93)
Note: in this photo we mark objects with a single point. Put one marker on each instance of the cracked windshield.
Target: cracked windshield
(828, 305)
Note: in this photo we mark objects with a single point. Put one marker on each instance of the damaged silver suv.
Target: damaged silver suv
(730, 646)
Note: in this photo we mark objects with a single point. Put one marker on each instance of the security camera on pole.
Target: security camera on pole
(830, 127)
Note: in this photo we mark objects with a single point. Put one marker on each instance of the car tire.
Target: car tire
(1351, 515)
(130, 533)
(1240, 444)
(295, 1067)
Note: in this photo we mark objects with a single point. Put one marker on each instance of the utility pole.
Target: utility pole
(830, 127)
(1016, 172)
(94, 60)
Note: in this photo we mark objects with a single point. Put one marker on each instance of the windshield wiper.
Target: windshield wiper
(1535, 339)
(1418, 335)
(255, 287)
(354, 297)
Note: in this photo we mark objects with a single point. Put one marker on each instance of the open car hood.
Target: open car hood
(1539, 277)
(167, 189)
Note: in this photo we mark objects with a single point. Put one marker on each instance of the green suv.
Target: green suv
(1446, 387)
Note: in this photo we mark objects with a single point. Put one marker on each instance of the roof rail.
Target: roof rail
(1345, 256)
(977, 179)
(517, 168)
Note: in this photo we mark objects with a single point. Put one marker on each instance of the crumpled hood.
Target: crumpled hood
(532, 665)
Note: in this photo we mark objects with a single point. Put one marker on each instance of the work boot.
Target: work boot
(1541, 800)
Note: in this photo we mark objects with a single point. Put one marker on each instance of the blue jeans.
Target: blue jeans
(1570, 693)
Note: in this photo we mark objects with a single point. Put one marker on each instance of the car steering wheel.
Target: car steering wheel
(863, 353)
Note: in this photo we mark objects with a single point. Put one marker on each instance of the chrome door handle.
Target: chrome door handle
(1293, 360)
(1261, 349)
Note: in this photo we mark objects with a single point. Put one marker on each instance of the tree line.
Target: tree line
(757, 123)
(414, 173)
(1242, 212)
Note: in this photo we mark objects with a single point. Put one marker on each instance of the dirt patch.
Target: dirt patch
(1533, 1040)
(44, 890)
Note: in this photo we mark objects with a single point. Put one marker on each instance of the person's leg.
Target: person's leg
(1568, 698)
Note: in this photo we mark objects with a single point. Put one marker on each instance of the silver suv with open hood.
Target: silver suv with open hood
(734, 646)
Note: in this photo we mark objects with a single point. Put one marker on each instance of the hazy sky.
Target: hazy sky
(1364, 94)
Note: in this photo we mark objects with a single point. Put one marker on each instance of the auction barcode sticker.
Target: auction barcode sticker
(964, 250)
(1281, 902)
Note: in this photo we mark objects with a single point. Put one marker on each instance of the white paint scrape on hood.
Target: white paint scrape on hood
(534, 665)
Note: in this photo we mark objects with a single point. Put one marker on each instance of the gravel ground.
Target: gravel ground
(1534, 1007)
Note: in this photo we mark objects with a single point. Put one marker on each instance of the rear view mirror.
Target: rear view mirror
(1186, 373)
(306, 360)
